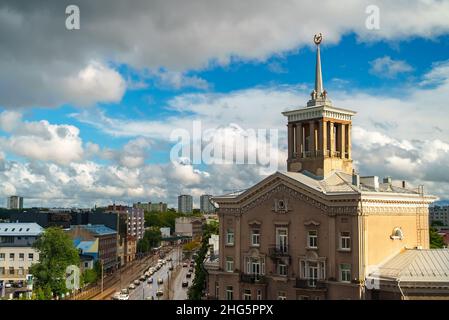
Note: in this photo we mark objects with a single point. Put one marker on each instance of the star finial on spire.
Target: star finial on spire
(318, 95)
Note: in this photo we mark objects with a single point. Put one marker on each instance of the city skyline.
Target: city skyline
(107, 138)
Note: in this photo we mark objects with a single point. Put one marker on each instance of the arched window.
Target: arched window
(397, 234)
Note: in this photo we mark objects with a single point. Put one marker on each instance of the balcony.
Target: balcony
(276, 251)
(253, 278)
(313, 284)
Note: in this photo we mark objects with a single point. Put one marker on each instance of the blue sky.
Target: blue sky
(85, 116)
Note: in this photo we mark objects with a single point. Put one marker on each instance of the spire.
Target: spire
(318, 95)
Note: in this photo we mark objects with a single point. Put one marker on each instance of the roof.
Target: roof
(413, 265)
(20, 229)
(88, 246)
(98, 229)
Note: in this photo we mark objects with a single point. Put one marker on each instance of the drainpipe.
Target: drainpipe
(400, 289)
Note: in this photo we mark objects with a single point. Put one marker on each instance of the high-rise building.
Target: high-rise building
(185, 203)
(206, 205)
(135, 219)
(440, 214)
(14, 202)
(320, 230)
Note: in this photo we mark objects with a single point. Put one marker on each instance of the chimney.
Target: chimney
(403, 184)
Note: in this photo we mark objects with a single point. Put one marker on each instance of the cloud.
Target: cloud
(386, 67)
(41, 62)
(40, 140)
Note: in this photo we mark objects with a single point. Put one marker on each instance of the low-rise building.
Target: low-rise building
(439, 214)
(16, 251)
(130, 249)
(189, 226)
(107, 242)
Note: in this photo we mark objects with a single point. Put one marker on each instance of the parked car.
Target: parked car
(131, 286)
(124, 291)
(190, 269)
(124, 297)
(150, 280)
(189, 275)
(136, 282)
(142, 278)
(169, 259)
(159, 293)
(160, 281)
(170, 267)
(184, 265)
(8, 285)
(116, 296)
(185, 283)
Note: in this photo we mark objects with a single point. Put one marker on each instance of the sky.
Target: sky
(87, 117)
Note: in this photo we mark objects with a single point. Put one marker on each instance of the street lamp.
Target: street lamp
(102, 278)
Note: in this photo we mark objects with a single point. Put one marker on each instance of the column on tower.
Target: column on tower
(290, 140)
(295, 150)
(323, 136)
(343, 141)
(299, 143)
(332, 139)
(348, 136)
(312, 138)
(320, 137)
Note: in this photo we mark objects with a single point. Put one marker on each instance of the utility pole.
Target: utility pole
(102, 278)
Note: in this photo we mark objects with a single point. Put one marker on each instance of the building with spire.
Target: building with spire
(322, 231)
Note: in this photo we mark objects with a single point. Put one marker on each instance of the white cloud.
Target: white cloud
(41, 62)
(386, 67)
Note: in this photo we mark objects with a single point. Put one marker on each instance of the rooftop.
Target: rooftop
(98, 229)
(417, 265)
(20, 229)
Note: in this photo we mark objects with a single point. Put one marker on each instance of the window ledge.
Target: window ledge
(312, 248)
(229, 245)
(344, 250)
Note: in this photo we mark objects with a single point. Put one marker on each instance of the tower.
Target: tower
(319, 135)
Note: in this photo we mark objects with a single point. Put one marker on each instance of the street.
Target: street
(171, 280)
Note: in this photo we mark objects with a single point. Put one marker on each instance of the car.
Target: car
(159, 293)
(184, 265)
(149, 298)
(8, 285)
(142, 278)
(151, 270)
(150, 280)
(116, 296)
(185, 283)
(190, 269)
(160, 281)
(131, 286)
(124, 297)
(189, 275)
(136, 282)
(124, 291)
(147, 274)
(169, 259)
(170, 267)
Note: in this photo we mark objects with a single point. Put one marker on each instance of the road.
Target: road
(170, 278)
(180, 293)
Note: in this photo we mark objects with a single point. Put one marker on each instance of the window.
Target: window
(2, 257)
(397, 234)
(313, 274)
(345, 241)
(282, 240)
(345, 272)
(303, 298)
(86, 264)
(11, 257)
(259, 294)
(282, 269)
(282, 295)
(229, 293)
(2, 270)
(217, 290)
(247, 294)
(21, 271)
(21, 256)
(230, 237)
(255, 238)
(312, 239)
(11, 270)
(30, 256)
(229, 264)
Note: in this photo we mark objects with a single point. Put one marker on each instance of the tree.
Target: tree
(436, 241)
(151, 239)
(90, 276)
(56, 253)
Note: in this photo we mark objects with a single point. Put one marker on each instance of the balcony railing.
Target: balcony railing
(311, 284)
(252, 278)
(275, 251)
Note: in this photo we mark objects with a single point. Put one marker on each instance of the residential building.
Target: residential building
(320, 230)
(439, 214)
(131, 249)
(88, 252)
(107, 242)
(189, 226)
(185, 204)
(165, 232)
(14, 202)
(16, 251)
(152, 207)
(135, 219)
(206, 205)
